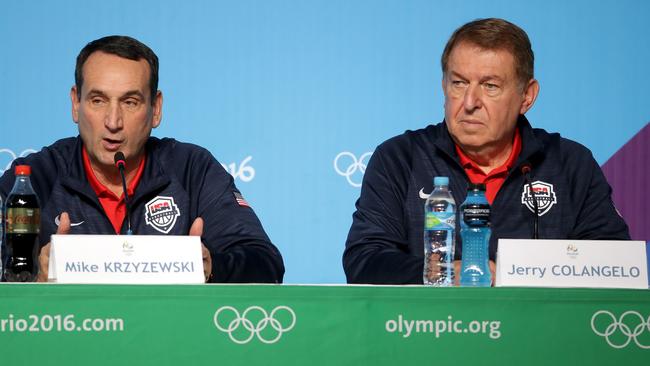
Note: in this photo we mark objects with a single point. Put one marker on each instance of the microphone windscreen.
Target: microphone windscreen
(119, 159)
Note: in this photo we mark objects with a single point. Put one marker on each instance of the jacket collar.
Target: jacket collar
(531, 146)
(153, 177)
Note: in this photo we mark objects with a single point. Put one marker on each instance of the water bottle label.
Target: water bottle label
(476, 214)
(23, 220)
(439, 221)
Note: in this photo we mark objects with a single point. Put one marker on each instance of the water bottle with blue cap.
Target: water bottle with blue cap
(439, 235)
(475, 235)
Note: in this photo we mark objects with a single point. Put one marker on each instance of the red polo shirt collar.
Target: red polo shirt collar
(113, 205)
(494, 179)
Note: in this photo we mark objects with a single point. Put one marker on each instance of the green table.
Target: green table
(45, 324)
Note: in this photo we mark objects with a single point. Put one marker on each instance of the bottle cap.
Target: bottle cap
(476, 187)
(441, 181)
(23, 170)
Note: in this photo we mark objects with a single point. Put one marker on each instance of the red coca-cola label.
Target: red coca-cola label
(23, 220)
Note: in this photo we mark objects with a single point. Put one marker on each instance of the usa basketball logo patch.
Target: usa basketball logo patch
(544, 195)
(161, 213)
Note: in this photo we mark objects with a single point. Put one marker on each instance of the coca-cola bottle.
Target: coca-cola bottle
(23, 221)
(2, 235)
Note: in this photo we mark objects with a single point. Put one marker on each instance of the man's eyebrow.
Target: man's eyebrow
(133, 93)
(130, 93)
(492, 77)
(483, 79)
(95, 92)
(456, 74)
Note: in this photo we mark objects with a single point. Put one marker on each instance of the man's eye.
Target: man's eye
(97, 101)
(457, 83)
(490, 86)
(131, 102)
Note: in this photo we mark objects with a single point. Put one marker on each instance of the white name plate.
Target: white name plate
(126, 259)
(572, 263)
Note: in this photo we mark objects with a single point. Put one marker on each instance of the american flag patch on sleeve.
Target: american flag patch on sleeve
(240, 200)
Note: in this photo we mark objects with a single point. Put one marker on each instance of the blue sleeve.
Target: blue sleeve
(597, 218)
(240, 249)
(376, 251)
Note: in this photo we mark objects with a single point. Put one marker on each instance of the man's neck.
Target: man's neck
(488, 158)
(110, 176)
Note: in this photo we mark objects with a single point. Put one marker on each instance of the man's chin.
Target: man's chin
(103, 160)
(471, 138)
(471, 142)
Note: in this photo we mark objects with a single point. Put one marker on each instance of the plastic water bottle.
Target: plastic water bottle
(475, 233)
(439, 238)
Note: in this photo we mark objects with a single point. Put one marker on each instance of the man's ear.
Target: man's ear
(157, 110)
(74, 98)
(531, 91)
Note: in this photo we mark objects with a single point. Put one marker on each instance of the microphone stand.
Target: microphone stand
(120, 162)
(525, 170)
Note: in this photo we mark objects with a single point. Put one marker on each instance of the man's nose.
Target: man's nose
(113, 119)
(472, 98)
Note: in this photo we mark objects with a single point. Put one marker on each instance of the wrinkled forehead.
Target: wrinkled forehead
(469, 58)
(111, 72)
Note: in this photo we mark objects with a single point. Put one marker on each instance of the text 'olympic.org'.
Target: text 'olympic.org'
(438, 327)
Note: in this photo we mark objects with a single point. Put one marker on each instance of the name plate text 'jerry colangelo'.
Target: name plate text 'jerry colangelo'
(126, 259)
(572, 263)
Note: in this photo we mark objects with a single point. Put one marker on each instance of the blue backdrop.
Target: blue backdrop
(277, 90)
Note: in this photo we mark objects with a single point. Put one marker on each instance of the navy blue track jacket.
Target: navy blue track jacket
(180, 182)
(385, 242)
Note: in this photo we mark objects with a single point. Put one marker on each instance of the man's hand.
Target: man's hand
(433, 273)
(493, 271)
(457, 268)
(197, 230)
(44, 255)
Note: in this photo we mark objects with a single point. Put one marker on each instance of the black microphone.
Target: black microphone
(120, 163)
(525, 171)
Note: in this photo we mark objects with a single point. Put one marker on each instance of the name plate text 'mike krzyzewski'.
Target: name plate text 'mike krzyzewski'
(126, 259)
